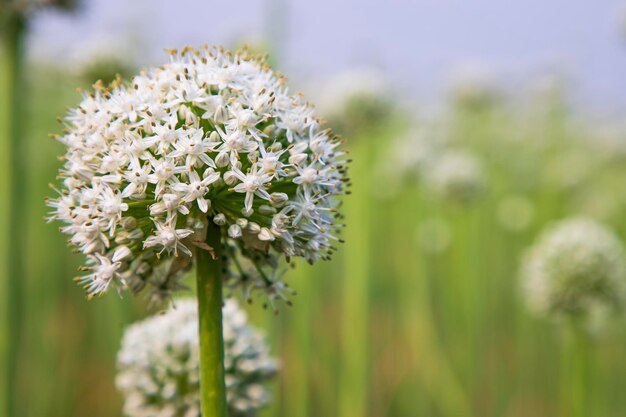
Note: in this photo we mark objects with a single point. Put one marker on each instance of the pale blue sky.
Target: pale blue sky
(419, 44)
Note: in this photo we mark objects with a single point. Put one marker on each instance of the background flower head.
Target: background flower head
(576, 269)
(159, 369)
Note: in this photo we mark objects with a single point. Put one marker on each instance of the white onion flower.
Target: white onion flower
(457, 175)
(576, 269)
(356, 100)
(158, 366)
(209, 136)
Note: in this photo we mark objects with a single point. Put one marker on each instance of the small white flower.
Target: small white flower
(252, 183)
(170, 204)
(168, 238)
(104, 272)
(197, 188)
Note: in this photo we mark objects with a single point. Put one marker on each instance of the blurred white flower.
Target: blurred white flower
(210, 136)
(409, 157)
(457, 175)
(355, 100)
(103, 58)
(577, 268)
(474, 86)
(345, 86)
(158, 365)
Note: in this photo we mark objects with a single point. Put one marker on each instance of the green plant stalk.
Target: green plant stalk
(296, 402)
(433, 366)
(576, 372)
(12, 38)
(209, 293)
(353, 376)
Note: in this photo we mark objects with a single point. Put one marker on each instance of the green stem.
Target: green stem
(11, 37)
(352, 384)
(209, 289)
(576, 373)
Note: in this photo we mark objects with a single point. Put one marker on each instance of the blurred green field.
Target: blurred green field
(409, 319)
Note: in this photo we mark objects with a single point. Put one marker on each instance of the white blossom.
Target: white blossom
(577, 268)
(158, 366)
(209, 136)
(457, 175)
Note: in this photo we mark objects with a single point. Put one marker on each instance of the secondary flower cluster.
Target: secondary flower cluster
(457, 175)
(430, 156)
(210, 136)
(576, 269)
(356, 101)
(159, 367)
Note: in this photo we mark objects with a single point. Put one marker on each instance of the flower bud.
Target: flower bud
(120, 253)
(219, 219)
(234, 231)
(278, 199)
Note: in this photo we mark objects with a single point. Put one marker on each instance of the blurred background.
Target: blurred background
(472, 126)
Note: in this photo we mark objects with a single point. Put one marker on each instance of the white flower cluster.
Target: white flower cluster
(576, 269)
(431, 156)
(159, 371)
(356, 100)
(457, 175)
(210, 136)
(474, 87)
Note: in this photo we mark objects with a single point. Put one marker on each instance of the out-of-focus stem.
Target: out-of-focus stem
(355, 305)
(11, 37)
(209, 289)
(576, 372)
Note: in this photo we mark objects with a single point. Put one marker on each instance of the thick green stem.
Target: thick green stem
(209, 289)
(11, 38)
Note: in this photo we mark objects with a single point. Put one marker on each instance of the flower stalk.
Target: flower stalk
(12, 30)
(576, 372)
(209, 293)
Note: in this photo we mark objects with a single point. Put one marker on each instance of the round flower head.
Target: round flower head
(356, 100)
(103, 59)
(576, 269)
(159, 369)
(210, 136)
(457, 175)
(474, 88)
